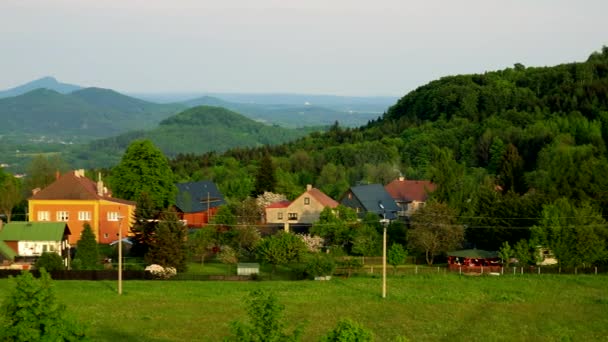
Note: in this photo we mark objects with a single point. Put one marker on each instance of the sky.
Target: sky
(338, 47)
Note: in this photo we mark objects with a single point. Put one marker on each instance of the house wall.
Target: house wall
(306, 207)
(105, 230)
(351, 201)
(13, 245)
(36, 248)
(272, 215)
(199, 219)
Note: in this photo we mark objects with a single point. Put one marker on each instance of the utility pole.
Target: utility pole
(120, 254)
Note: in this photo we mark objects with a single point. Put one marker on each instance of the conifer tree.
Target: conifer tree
(265, 179)
(169, 244)
(87, 251)
(144, 225)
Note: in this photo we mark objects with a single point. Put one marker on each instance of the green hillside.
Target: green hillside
(45, 83)
(194, 131)
(78, 116)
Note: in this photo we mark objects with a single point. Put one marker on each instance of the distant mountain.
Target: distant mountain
(42, 83)
(84, 114)
(197, 130)
(290, 115)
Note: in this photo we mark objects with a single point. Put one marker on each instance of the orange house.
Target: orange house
(197, 202)
(75, 199)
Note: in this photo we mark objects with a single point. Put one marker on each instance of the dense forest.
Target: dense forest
(509, 150)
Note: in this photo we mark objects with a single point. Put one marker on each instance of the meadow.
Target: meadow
(438, 307)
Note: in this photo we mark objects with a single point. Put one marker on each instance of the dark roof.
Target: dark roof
(193, 197)
(474, 253)
(405, 190)
(373, 197)
(34, 231)
(75, 186)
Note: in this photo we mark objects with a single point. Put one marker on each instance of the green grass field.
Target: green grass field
(420, 307)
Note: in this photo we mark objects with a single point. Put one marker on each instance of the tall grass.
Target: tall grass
(430, 307)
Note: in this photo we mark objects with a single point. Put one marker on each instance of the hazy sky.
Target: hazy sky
(344, 47)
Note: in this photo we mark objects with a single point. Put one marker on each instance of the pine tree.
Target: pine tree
(144, 226)
(265, 179)
(86, 250)
(169, 244)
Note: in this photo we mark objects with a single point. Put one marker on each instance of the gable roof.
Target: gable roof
(404, 190)
(371, 196)
(279, 204)
(6, 251)
(192, 196)
(322, 198)
(75, 186)
(34, 231)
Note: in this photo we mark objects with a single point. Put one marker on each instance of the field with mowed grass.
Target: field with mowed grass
(419, 307)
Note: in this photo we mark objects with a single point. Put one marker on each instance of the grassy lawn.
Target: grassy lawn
(421, 308)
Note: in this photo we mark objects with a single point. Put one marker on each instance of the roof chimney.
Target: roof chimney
(35, 191)
(100, 191)
(308, 187)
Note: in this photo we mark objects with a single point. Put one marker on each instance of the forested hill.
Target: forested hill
(567, 88)
(501, 146)
(194, 131)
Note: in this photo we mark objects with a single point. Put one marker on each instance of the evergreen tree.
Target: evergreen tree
(511, 171)
(265, 179)
(169, 244)
(145, 221)
(31, 312)
(86, 250)
(144, 168)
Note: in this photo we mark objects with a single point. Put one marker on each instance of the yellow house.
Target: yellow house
(75, 199)
(304, 209)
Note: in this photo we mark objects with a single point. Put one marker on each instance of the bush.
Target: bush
(76, 265)
(50, 261)
(351, 264)
(159, 272)
(350, 331)
(320, 265)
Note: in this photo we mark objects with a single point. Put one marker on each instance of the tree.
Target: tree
(265, 179)
(10, 195)
(86, 250)
(144, 169)
(366, 240)
(505, 253)
(43, 171)
(169, 246)
(396, 256)
(435, 230)
(511, 171)
(280, 249)
(265, 321)
(31, 312)
(50, 261)
(334, 225)
(521, 252)
(201, 242)
(145, 220)
(348, 330)
(577, 235)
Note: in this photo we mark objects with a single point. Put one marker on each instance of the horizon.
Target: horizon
(341, 48)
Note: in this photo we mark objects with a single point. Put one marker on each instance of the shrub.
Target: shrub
(76, 264)
(350, 264)
(350, 331)
(159, 272)
(31, 313)
(320, 265)
(50, 261)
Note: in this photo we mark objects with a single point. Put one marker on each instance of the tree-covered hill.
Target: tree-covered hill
(81, 115)
(45, 83)
(194, 131)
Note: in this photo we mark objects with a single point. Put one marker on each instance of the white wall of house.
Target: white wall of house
(36, 248)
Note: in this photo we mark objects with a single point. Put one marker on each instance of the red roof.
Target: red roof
(322, 198)
(281, 204)
(404, 190)
(74, 186)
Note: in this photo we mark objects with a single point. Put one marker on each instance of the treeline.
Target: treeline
(503, 147)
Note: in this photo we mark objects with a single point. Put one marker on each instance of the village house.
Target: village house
(304, 210)
(370, 198)
(75, 200)
(409, 195)
(26, 241)
(197, 202)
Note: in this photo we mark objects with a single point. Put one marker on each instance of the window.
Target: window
(63, 216)
(112, 216)
(292, 216)
(306, 200)
(84, 216)
(279, 216)
(43, 216)
(105, 235)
